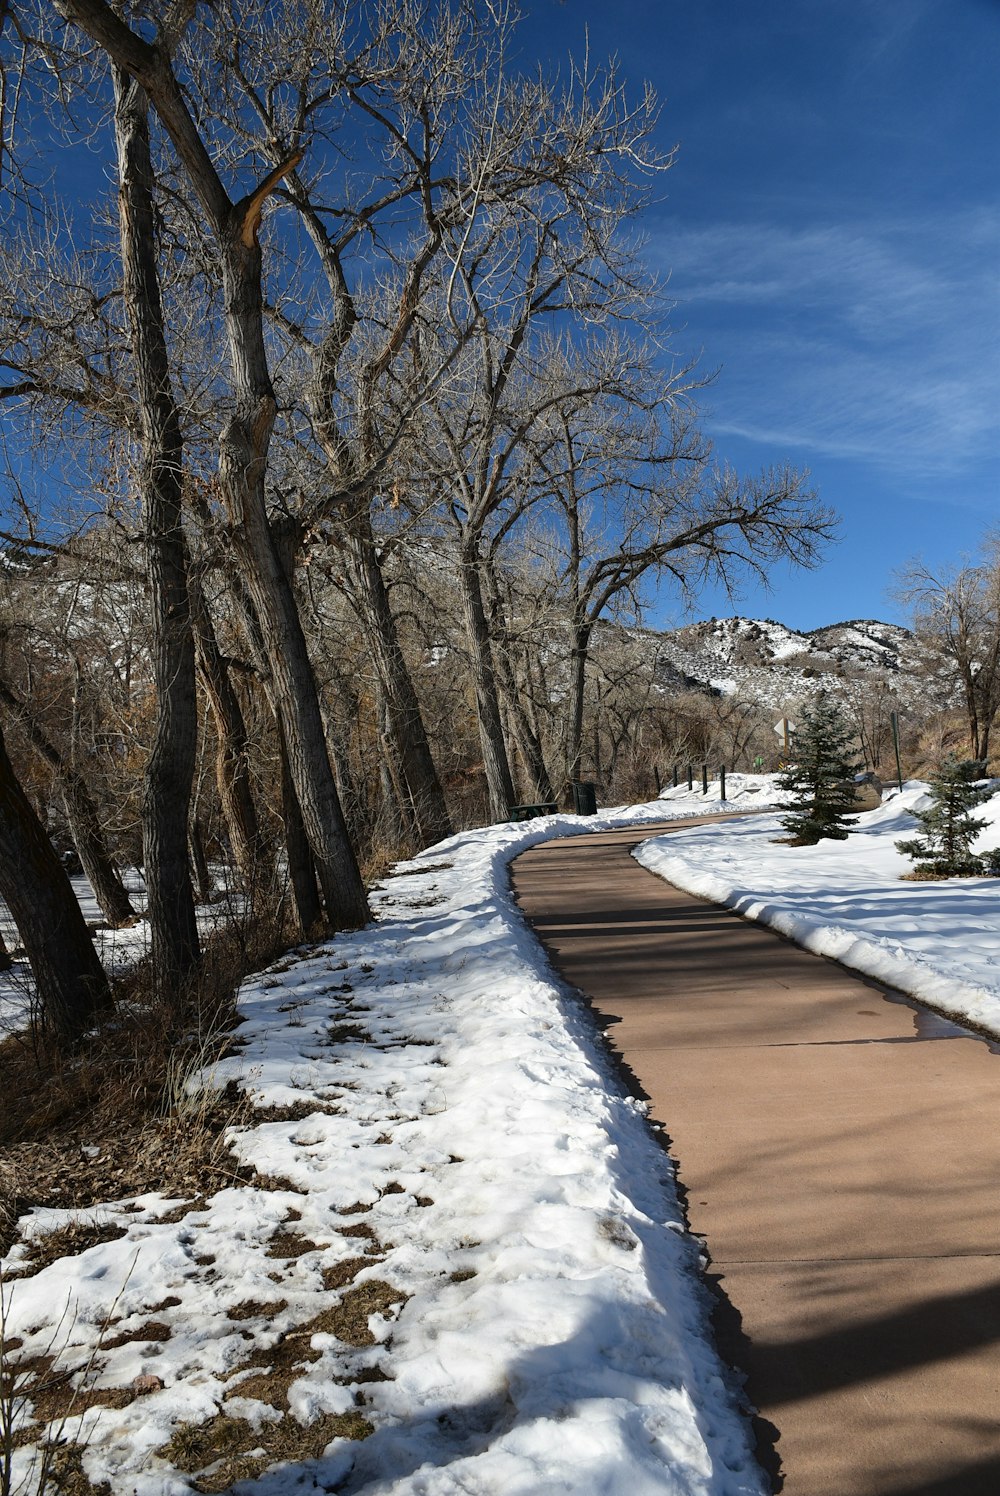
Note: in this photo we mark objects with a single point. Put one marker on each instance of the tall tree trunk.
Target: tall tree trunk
(243, 448)
(199, 861)
(81, 813)
(528, 744)
(252, 852)
(405, 719)
(88, 838)
(398, 817)
(170, 771)
(374, 609)
(70, 981)
(495, 761)
(301, 868)
(243, 460)
(351, 797)
(577, 690)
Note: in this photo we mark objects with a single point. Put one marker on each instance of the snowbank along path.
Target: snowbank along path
(460, 1265)
(839, 1152)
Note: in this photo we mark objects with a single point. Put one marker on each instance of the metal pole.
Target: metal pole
(690, 778)
(704, 779)
(674, 774)
(894, 719)
(722, 782)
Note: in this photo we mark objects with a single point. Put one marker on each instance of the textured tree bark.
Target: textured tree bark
(70, 981)
(405, 719)
(243, 459)
(301, 869)
(170, 771)
(397, 812)
(523, 732)
(88, 838)
(244, 448)
(82, 814)
(577, 686)
(495, 761)
(199, 861)
(528, 745)
(253, 854)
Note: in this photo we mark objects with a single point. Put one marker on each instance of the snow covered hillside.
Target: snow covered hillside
(776, 665)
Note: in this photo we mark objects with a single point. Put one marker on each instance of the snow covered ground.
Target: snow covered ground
(938, 941)
(461, 1231)
(119, 949)
(462, 1238)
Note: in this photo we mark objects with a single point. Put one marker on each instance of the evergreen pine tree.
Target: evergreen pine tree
(944, 847)
(820, 774)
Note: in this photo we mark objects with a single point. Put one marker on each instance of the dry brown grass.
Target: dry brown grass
(67, 1241)
(118, 1115)
(228, 1448)
(225, 1450)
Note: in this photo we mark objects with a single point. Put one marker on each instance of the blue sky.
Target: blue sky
(832, 233)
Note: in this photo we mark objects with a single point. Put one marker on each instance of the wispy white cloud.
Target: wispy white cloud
(877, 340)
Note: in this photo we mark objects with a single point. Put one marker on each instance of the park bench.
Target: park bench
(529, 812)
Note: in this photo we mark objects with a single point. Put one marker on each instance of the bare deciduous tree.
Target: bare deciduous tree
(234, 224)
(170, 771)
(81, 813)
(69, 978)
(957, 614)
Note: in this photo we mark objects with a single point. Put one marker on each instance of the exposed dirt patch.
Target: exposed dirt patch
(218, 1453)
(113, 1116)
(276, 1184)
(257, 1309)
(273, 1369)
(294, 1111)
(67, 1241)
(66, 1474)
(49, 1396)
(131, 1154)
(344, 1033)
(151, 1329)
(288, 1244)
(342, 1273)
(348, 1320)
(362, 1231)
(171, 1217)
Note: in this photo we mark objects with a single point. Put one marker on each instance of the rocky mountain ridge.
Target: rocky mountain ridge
(778, 665)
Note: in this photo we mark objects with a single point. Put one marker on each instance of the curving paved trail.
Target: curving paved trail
(840, 1153)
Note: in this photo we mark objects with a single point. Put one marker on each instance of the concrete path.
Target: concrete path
(840, 1154)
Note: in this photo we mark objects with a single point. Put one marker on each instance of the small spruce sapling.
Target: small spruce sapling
(943, 849)
(820, 775)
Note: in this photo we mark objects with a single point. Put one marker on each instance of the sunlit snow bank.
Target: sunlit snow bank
(454, 1121)
(938, 941)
